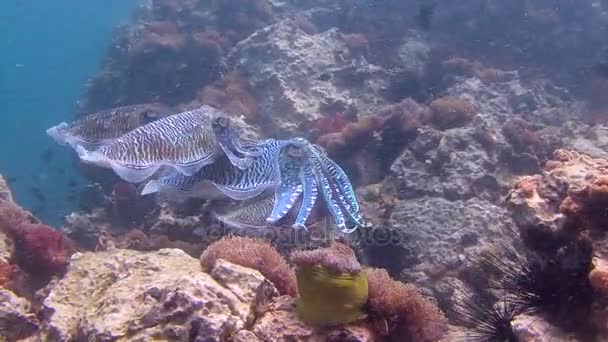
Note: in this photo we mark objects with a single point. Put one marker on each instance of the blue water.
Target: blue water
(48, 50)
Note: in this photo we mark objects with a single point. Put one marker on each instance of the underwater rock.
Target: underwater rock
(86, 228)
(17, 320)
(127, 295)
(598, 277)
(451, 164)
(298, 77)
(7, 247)
(5, 190)
(280, 323)
(169, 220)
(590, 140)
(437, 237)
(570, 191)
(537, 329)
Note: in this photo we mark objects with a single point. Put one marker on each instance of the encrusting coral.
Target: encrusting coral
(40, 249)
(232, 95)
(6, 273)
(256, 254)
(332, 288)
(407, 314)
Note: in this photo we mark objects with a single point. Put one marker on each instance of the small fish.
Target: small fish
(47, 155)
(96, 129)
(11, 180)
(38, 194)
(72, 183)
(60, 171)
(425, 15)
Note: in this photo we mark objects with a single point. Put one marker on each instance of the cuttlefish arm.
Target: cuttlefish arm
(290, 163)
(345, 192)
(229, 142)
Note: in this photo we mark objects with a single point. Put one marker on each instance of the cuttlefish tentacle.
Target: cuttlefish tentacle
(290, 187)
(343, 187)
(328, 192)
(310, 195)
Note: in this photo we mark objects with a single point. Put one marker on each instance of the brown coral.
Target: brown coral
(520, 134)
(256, 254)
(352, 137)
(6, 273)
(232, 95)
(338, 258)
(159, 35)
(408, 315)
(450, 112)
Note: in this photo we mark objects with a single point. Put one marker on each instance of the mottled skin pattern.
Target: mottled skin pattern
(298, 171)
(96, 129)
(202, 147)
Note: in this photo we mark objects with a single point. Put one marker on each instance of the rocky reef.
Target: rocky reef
(469, 129)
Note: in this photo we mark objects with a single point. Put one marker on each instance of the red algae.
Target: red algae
(40, 250)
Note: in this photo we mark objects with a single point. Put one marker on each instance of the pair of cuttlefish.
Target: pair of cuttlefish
(199, 153)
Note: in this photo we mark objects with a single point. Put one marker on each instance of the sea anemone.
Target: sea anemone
(408, 315)
(332, 288)
(450, 112)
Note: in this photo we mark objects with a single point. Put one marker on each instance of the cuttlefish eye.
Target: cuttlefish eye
(221, 122)
(149, 116)
(295, 151)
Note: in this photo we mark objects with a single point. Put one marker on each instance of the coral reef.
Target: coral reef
(128, 295)
(570, 193)
(408, 315)
(17, 320)
(40, 249)
(436, 109)
(255, 254)
(314, 77)
(561, 214)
